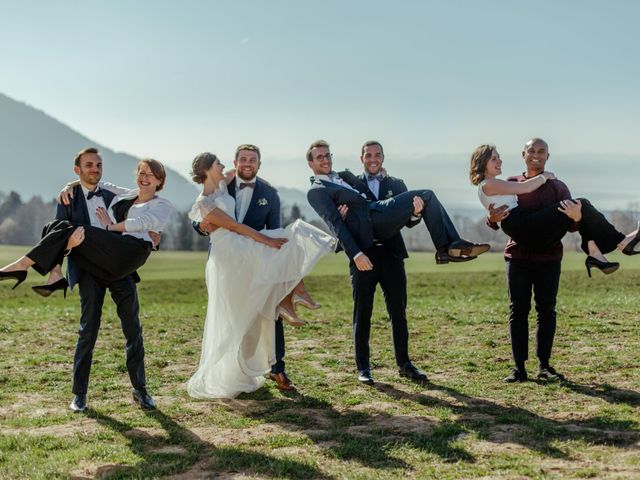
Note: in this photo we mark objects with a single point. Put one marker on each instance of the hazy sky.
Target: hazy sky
(169, 79)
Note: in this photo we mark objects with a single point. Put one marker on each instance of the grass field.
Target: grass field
(463, 423)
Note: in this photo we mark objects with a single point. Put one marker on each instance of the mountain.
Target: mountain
(37, 151)
(36, 158)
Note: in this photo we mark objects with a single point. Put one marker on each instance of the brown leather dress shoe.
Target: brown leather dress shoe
(282, 382)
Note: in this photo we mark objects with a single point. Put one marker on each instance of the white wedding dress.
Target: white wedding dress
(246, 281)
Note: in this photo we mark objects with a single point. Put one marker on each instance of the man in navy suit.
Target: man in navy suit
(388, 271)
(258, 206)
(365, 226)
(86, 198)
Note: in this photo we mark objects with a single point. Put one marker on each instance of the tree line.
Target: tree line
(21, 224)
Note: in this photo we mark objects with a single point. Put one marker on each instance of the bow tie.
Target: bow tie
(96, 193)
(247, 185)
(378, 177)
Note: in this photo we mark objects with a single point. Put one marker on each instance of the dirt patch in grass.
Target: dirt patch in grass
(238, 436)
(86, 470)
(82, 427)
(34, 405)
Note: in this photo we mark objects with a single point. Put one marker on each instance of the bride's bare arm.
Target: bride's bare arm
(220, 219)
(495, 186)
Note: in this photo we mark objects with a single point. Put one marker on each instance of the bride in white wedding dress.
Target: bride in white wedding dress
(248, 273)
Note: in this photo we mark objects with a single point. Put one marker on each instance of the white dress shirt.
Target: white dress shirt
(243, 198)
(92, 206)
(335, 178)
(374, 186)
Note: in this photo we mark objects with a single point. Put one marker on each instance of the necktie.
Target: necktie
(96, 193)
(378, 177)
(247, 185)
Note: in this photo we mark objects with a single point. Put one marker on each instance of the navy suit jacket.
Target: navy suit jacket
(264, 206)
(355, 232)
(76, 212)
(390, 187)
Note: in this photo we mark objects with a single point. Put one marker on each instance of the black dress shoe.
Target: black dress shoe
(79, 404)
(409, 370)
(141, 397)
(516, 375)
(443, 257)
(364, 376)
(464, 249)
(549, 373)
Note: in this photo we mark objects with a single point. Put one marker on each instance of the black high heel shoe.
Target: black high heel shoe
(46, 290)
(604, 267)
(18, 275)
(629, 247)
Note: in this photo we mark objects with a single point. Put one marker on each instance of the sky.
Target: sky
(170, 79)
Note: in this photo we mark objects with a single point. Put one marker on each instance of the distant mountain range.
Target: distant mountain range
(37, 151)
(36, 158)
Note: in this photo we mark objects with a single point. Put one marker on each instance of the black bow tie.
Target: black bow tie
(247, 185)
(96, 193)
(378, 177)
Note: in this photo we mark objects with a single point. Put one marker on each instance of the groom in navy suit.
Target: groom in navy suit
(388, 271)
(365, 224)
(258, 206)
(85, 199)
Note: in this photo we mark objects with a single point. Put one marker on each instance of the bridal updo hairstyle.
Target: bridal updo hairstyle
(479, 159)
(200, 165)
(156, 168)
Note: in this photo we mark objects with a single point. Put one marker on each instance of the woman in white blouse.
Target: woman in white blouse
(111, 253)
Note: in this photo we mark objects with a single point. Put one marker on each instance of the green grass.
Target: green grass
(464, 423)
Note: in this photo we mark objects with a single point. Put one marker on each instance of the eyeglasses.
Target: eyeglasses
(146, 175)
(327, 156)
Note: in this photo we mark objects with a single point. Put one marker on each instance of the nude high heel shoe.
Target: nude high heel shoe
(301, 296)
(290, 317)
(306, 301)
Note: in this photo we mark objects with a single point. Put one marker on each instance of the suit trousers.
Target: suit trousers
(125, 297)
(279, 366)
(106, 255)
(388, 271)
(540, 229)
(543, 278)
(389, 216)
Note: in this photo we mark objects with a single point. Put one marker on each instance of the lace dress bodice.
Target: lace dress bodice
(218, 199)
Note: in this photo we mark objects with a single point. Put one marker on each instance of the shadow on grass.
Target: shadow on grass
(159, 458)
(373, 440)
(606, 392)
(535, 432)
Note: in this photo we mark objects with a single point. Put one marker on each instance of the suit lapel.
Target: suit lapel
(231, 188)
(81, 206)
(383, 188)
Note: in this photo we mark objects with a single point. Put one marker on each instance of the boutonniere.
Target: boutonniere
(389, 194)
(262, 202)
